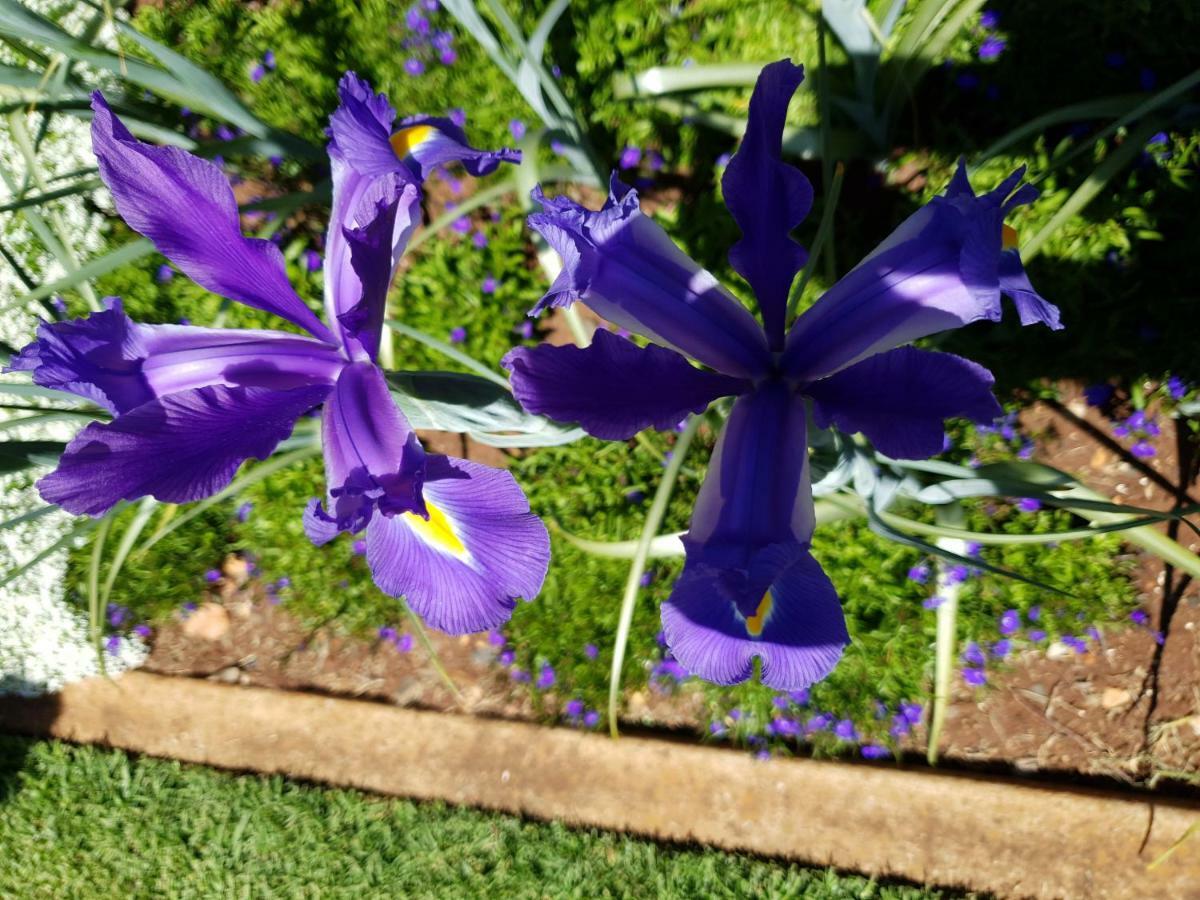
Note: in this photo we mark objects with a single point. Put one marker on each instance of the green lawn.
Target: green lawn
(85, 822)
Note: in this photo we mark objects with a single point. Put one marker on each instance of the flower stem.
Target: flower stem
(418, 628)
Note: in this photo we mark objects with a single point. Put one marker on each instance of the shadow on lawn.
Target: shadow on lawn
(21, 716)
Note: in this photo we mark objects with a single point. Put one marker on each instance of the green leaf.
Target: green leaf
(487, 411)
(18, 455)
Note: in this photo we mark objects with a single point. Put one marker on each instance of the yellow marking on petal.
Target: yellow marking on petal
(1009, 239)
(755, 623)
(406, 140)
(436, 531)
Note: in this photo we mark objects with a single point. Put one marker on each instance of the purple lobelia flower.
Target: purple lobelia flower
(191, 404)
(750, 586)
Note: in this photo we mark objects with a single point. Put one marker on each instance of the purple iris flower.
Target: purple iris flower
(191, 404)
(750, 586)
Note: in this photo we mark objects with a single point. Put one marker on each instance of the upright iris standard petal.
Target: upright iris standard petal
(178, 448)
(481, 549)
(625, 267)
(388, 207)
(945, 267)
(186, 207)
(373, 460)
(613, 388)
(121, 364)
(901, 398)
(796, 627)
(768, 198)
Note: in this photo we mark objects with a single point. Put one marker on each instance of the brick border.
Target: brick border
(984, 833)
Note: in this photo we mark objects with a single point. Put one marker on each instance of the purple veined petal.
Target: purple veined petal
(768, 198)
(363, 259)
(624, 266)
(757, 493)
(940, 269)
(793, 622)
(481, 549)
(373, 460)
(365, 136)
(900, 399)
(613, 388)
(121, 364)
(178, 448)
(186, 207)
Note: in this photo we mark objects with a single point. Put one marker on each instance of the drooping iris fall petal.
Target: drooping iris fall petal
(604, 387)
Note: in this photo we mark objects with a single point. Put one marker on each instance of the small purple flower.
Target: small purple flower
(312, 260)
(212, 576)
(1001, 648)
(989, 18)
(59, 304)
(591, 651)
(113, 645)
(919, 574)
(1036, 635)
(735, 714)
(1093, 632)
(874, 751)
(1010, 622)
(1143, 450)
(269, 59)
(591, 718)
(257, 73)
(546, 678)
(844, 730)
(359, 548)
(1159, 638)
(458, 335)
(800, 697)
(1029, 504)
(225, 133)
(496, 638)
(489, 285)
(1139, 617)
(974, 655)
(275, 160)
(974, 677)
(517, 129)
(142, 630)
(462, 225)
(780, 701)
(117, 614)
(933, 602)
(717, 729)
(164, 274)
(448, 57)
(785, 727)
(1177, 387)
(243, 512)
(635, 497)
(654, 161)
(479, 239)
(190, 606)
(507, 658)
(404, 643)
(912, 712)
(631, 157)
(573, 708)
(387, 633)
(525, 330)
(1026, 450)
(520, 676)
(414, 66)
(992, 47)
(957, 574)
(646, 580)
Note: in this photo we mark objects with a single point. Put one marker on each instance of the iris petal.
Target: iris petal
(768, 198)
(186, 207)
(625, 267)
(943, 268)
(901, 398)
(121, 364)
(613, 388)
(481, 549)
(794, 624)
(373, 460)
(178, 448)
